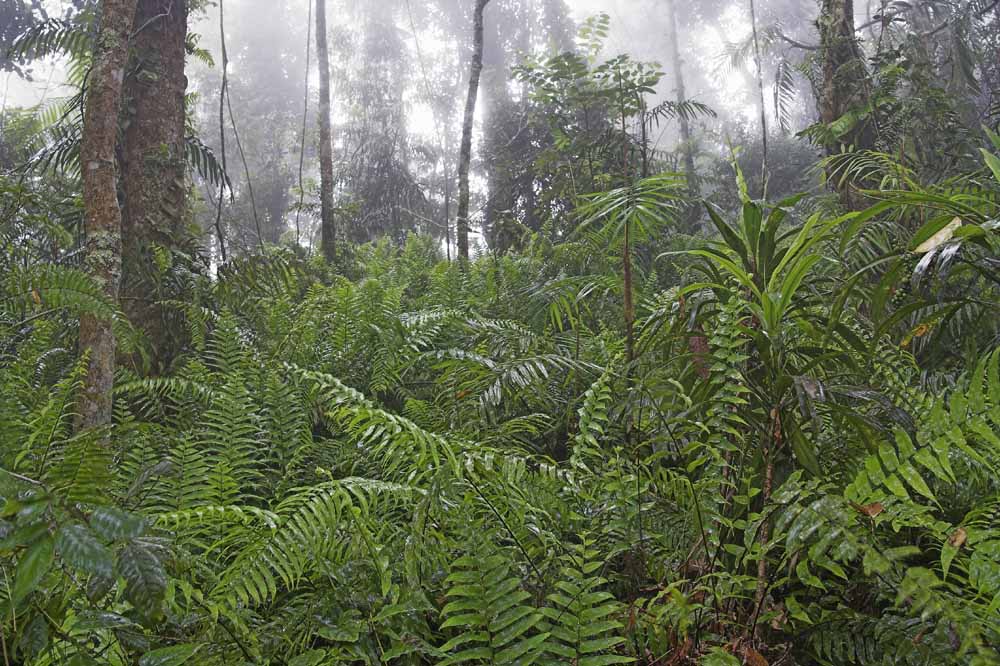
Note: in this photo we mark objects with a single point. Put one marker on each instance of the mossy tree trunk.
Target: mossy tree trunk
(843, 87)
(154, 170)
(102, 216)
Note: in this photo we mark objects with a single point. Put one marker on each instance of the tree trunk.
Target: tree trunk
(497, 129)
(760, 95)
(327, 227)
(844, 85)
(153, 166)
(447, 211)
(102, 216)
(687, 146)
(465, 151)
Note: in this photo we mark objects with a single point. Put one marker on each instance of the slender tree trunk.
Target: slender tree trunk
(760, 92)
(302, 139)
(328, 229)
(629, 306)
(465, 150)
(845, 80)
(447, 211)
(687, 146)
(153, 167)
(222, 129)
(102, 216)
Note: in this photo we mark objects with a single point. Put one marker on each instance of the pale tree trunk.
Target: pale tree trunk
(497, 108)
(760, 96)
(687, 143)
(102, 216)
(327, 226)
(687, 148)
(844, 85)
(153, 167)
(465, 150)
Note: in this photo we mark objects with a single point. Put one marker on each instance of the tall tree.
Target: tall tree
(153, 164)
(327, 228)
(687, 141)
(760, 97)
(845, 79)
(500, 128)
(465, 150)
(378, 183)
(687, 148)
(102, 216)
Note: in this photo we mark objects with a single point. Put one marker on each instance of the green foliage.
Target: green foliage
(487, 605)
(794, 459)
(583, 617)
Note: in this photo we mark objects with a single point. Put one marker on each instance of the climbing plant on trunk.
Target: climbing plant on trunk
(102, 216)
(842, 95)
(153, 166)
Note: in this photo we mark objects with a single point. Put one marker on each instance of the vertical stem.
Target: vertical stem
(222, 132)
(327, 226)
(447, 211)
(102, 215)
(236, 135)
(627, 244)
(687, 142)
(465, 150)
(246, 168)
(678, 67)
(305, 114)
(760, 91)
(644, 140)
(773, 438)
(629, 306)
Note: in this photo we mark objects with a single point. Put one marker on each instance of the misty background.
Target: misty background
(399, 73)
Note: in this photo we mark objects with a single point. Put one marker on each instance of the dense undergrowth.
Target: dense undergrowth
(792, 461)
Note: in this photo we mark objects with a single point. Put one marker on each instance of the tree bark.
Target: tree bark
(844, 85)
(153, 167)
(102, 216)
(327, 225)
(687, 146)
(465, 150)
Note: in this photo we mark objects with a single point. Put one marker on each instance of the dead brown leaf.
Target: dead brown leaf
(871, 510)
(753, 658)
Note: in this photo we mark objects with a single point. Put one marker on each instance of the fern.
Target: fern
(487, 603)
(582, 617)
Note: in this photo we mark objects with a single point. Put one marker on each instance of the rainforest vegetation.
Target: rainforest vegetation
(499, 332)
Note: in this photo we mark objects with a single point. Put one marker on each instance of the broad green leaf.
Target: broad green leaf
(175, 655)
(116, 525)
(81, 549)
(310, 658)
(145, 577)
(993, 162)
(31, 568)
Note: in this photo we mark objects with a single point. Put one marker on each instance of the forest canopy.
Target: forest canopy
(499, 332)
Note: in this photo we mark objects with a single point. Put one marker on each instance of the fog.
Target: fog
(398, 77)
(399, 71)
